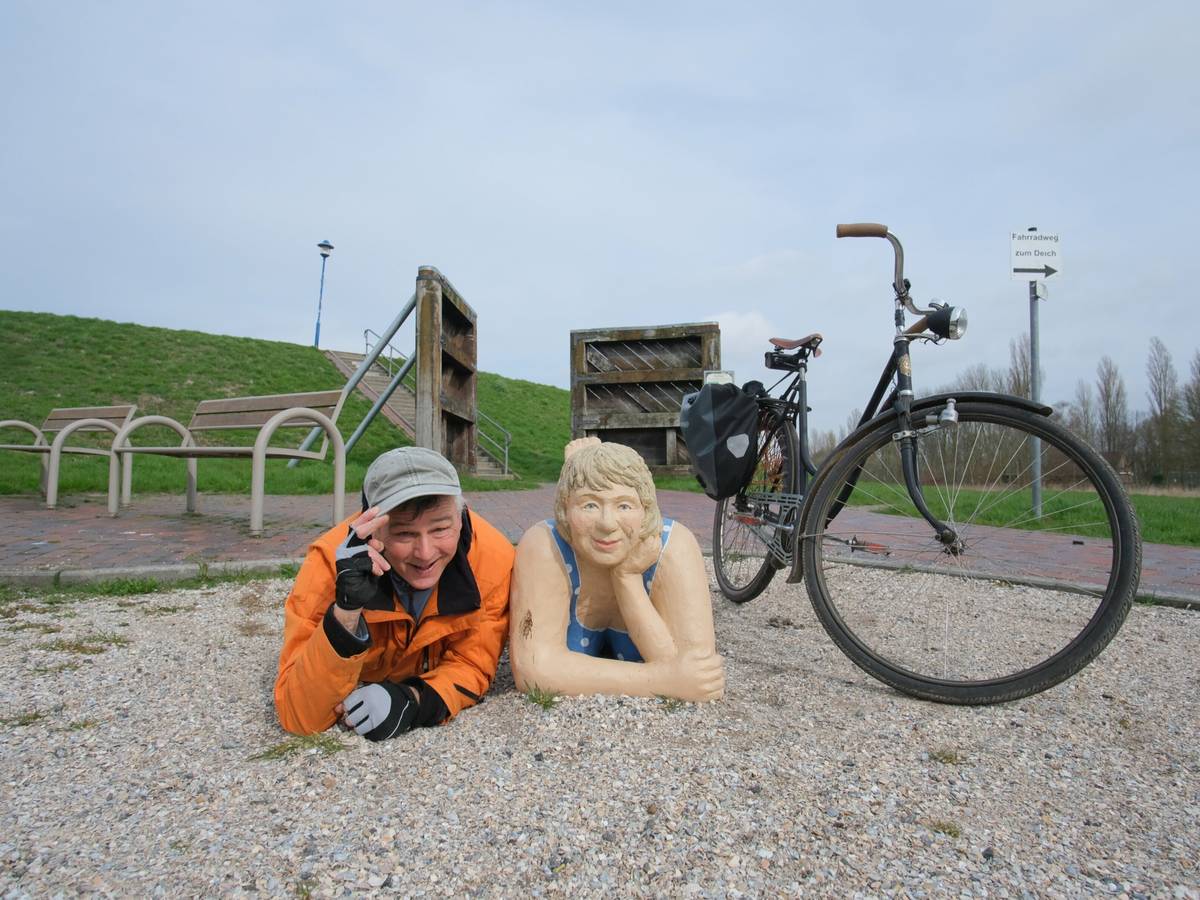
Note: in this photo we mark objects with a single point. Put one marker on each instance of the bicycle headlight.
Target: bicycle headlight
(948, 321)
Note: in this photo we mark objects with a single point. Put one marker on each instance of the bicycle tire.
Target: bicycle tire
(747, 525)
(1029, 599)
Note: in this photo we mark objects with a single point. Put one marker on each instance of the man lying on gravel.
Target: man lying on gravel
(397, 617)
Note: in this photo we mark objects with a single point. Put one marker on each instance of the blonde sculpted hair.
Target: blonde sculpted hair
(602, 466)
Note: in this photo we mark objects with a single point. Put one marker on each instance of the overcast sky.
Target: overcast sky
(571, 165)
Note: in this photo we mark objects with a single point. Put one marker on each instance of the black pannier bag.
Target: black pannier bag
(720, 426)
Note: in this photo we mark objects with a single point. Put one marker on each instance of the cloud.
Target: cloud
(744, 338)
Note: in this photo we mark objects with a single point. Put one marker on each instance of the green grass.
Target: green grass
(946, 827)
(15, 598)
(538, 697)
(947, 756)
(1163, 519)
(88, 645)
(539, 418)
(324, 744)
(677, 483)
(52, 361)
(23, 719)
(1168, 520)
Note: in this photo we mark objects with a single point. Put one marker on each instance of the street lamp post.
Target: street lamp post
(326, 248)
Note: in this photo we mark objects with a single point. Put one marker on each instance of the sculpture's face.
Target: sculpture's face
(420, 548)
(605, 524)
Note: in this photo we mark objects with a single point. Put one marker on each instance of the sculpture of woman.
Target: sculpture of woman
(608, 597)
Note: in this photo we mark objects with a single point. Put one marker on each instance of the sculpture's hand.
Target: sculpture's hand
(694, 675)
(579, 444)
(641, 557)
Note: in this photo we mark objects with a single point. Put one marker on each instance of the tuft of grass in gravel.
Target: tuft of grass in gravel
(56, 669)
(946, 827)
(88, 645)
(23, 719)
(538, 697)
(947, 756)
(325, 744)
(81, 724)
(41, 627)
(48, 598)
(169, 610)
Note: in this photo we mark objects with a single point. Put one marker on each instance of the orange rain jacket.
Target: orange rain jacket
(454, 648)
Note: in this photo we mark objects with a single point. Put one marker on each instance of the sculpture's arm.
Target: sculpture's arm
(645, 624)
(680, 593)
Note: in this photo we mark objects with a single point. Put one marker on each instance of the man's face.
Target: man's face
(605, 524)
(419, 549)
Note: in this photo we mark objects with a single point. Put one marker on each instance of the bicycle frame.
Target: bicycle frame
(931, 607)
(911, 416)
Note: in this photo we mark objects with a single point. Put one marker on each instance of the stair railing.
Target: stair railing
(361, 371)
(500, 445)
(389, 358)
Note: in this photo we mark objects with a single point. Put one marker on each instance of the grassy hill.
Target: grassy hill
(51, 361)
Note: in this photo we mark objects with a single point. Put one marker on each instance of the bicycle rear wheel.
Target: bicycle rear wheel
(750, 537)
(1025, 599)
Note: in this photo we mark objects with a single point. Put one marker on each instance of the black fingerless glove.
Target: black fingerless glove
(357, 586)
(389, 707)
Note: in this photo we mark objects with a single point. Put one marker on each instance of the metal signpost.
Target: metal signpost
(1034, 257)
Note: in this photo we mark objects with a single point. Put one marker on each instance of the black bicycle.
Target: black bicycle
(960, 547)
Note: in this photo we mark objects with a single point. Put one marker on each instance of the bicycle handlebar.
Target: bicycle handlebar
(862, 229)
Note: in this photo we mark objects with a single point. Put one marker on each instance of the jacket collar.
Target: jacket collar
(457, 590)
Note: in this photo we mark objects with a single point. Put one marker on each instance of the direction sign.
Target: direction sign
(1035, 255)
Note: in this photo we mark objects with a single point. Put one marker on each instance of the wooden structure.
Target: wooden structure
(446, 357)
(628, 384)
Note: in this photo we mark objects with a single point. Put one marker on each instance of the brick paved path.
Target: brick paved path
(78, 541)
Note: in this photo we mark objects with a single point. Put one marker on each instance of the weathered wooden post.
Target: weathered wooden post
(446, 360)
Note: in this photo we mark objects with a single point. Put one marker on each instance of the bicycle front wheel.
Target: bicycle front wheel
(751, 536)
(1031, 591)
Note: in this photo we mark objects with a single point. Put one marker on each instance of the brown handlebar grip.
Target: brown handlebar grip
(918, 326)
(862, 229)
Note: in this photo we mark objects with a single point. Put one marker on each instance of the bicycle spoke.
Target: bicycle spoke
(1018, 589)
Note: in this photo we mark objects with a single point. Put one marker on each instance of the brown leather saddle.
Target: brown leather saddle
(812, 342)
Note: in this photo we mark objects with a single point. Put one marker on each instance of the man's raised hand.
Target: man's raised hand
(360, 564)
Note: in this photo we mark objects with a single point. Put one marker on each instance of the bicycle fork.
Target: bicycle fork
(907, 437)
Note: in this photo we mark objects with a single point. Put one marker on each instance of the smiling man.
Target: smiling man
(398, 616)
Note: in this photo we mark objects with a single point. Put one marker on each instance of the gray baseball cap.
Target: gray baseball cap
(407, 472)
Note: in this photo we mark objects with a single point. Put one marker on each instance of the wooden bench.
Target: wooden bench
(267, 414)
(67, 421)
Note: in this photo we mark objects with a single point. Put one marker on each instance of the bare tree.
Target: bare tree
(1191, 418)
(1191, 394)
(1082, 417)
(1112, 408)
(978, 377)
(1016, 379)
(1164, 406)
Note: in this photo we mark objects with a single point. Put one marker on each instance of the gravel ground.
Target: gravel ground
(153, 765)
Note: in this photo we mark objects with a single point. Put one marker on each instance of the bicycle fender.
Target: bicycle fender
(919, 405)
